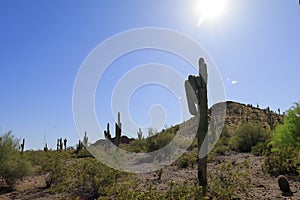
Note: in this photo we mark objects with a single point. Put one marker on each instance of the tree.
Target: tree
(12, 164)
(288, 133)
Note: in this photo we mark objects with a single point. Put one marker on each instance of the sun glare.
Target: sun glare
(210, 9)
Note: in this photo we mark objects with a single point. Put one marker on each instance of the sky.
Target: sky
(254, 44)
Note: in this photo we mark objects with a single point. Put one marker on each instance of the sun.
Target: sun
(210, 9)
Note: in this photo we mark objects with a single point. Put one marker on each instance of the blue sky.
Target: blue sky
(43, 44)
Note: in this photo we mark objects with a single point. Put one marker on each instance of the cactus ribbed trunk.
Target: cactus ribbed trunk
(107, 138)
(203, 126)
(85, 139)
(22, 146)
(118, 131)
(196, 91)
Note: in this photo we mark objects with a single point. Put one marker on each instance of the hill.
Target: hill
(236, 114)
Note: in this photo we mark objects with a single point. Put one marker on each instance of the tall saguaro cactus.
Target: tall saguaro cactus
(118, 130)
(65, 143)
(85, 139)
(140, 134)
(107, 138)
(22, 146)
(196, 91)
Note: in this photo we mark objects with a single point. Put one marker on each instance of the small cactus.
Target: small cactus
(283, 184)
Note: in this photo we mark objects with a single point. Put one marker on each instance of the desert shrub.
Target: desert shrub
(55, 165)
(91, 178)
(128, 190)
(282, 161)
(153, 143)
(185, 190)
(288, 133)
(36, 158)
(159, 140)
(86, 178)
(136, 146)
(229, 179)
(12, 165)
(249, 135)
(283, 155)
(222, 145)
(187, 159)
(259, 148)
(83, 153)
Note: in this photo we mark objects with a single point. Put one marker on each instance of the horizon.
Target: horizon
(253, 44)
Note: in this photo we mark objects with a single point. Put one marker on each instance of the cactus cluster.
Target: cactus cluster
(59, 144)
(117, 140)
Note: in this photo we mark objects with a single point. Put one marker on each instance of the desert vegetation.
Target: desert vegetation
(232, 166)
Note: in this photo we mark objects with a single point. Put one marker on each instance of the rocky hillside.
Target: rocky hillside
(238, 113)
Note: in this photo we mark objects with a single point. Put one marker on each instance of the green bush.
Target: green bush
(288, 133)
(222, 146)
(283, 161)
(55, 165)
(12, 165)
(128, 190)
(187, 159)
(159, 140)
(229, 179)
(248, 135)
(83, 153)
(283, 155)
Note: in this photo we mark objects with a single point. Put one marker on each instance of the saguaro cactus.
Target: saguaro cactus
(79, 146)
(140, 134)
(60, 144)
(46, 147)
(108, 138)
(118, 131)
(65, 143)
(196, 91)
(57, 144)
(85, 139)
(22, 146)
